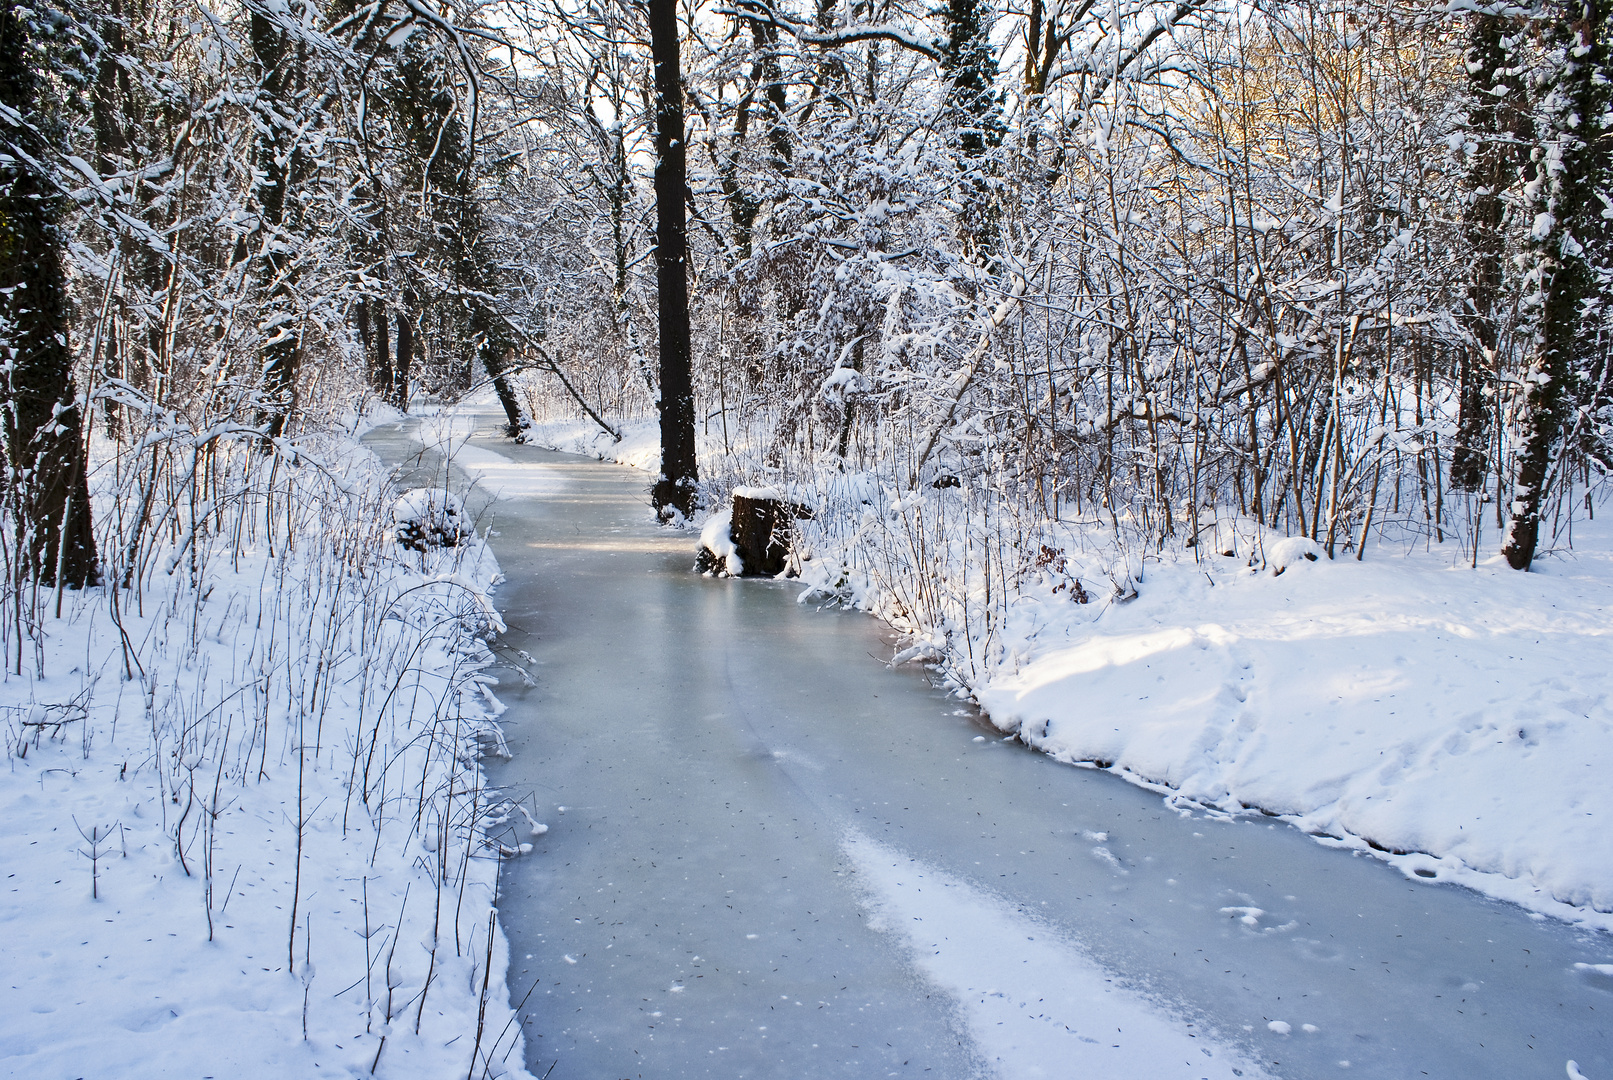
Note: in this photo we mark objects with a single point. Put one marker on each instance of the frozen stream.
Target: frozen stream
(771, 856)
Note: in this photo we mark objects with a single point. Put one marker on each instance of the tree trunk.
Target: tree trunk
(678, 484)
(276, 163)
(39, 413)
(1496, 124)
(494, 346)
(1570, 178)
(969, 60)
(385, 370)
(403, 366)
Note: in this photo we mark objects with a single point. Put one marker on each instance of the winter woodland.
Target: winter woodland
(1033, 296)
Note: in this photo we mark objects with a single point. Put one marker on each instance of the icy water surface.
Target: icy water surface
(771, 856)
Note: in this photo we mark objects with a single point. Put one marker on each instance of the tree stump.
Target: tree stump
(762, 528)
(759, 530)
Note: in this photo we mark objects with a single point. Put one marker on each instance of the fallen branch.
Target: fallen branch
(547, 364)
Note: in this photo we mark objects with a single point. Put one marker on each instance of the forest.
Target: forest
(1338, 271)
(1021, 308)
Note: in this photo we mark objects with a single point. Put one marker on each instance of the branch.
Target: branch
(966, 375)
(550, 366)
(760, 12)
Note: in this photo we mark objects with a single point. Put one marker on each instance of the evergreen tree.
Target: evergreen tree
(969, 62)
(281, 164)
(458, 249)
(1497, 123)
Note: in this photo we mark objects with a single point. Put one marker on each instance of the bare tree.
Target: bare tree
(676, 489)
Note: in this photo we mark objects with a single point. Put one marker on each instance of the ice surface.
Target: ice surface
(1036, 1005)
(713, 746)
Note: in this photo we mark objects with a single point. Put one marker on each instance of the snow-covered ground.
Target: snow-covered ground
(640, 446)
(244, 816)
(1454, 721)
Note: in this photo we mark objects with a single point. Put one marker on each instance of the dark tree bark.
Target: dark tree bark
(39, 414)
(370, 314)
(970, 62)
(279, 161)
(128, 120)
(107, 101)
(771, 75)
(494, 346)
(471, 263)
(767, 80)
(444, 144)
(1570, 172)
(488, 333)
(1498, 125)
(403, 368)
(678, 484)
(372, 245)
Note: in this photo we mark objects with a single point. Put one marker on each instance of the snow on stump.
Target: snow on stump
(429, 517)
(752, 537)
(717, 554)
(1290, 551)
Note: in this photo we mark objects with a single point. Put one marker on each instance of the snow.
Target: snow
(757, 493)
(448, 433)
(715, 537)
(1290, 550)
(1456, 721)
(640, 446)
(967, 950)
(250, 841)
(844, 382)
(429, 517)
(1034, 1004)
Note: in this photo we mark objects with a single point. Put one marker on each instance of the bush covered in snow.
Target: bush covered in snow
(246, 828)
(429, 517)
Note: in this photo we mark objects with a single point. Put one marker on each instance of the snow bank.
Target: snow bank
(640, 446)
(1455, 721)
(245, 831)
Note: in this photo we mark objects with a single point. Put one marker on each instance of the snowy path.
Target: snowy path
(777, 858)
